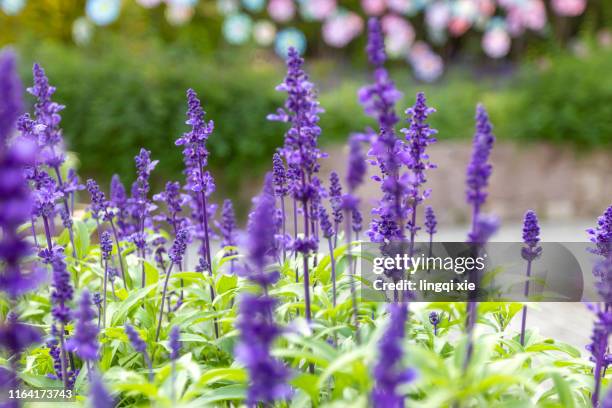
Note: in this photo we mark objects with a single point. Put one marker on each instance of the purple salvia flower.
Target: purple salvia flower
(16, 206)
(261, 243)
(62, 291)
(599, 347)
(11, 105)
(267, 376)
(279, 175)
(228, 227)
(484, 227)
(176, 253)
(98, 394)
(335, 199)
(139, 346)
(175, 344)
(137, 342)
(379, 98)
(119, 200)
(85, 339)
(106, 245)
(430, 221)
(199, 182)
(388, 371)
(15, 336)
(479, 170)
(601, 235)
(326, 226)
(356, 221)
(434, 319)
(174, 201)
(356, 165)
(418, 136)
(98, 199)
(48, 114)
(531, 250)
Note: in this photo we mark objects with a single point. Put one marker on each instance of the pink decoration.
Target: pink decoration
(373, 7)
(496, 43)
(569, 8)
(399, 34)
(341, 29)
(281, 10)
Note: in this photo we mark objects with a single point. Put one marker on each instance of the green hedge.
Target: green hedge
(134, 96)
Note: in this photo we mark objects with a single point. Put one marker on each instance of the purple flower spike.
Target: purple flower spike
(48, 114)
(601, 235)
(267, 376)
(484, 227)
(388, 371)
(531, 236)
(62, 292)
(479, 170)
(379, 99)
(85, 340)
(326, 226)
(356, 165)
(16, 336)
(335, 198)
(430, 221)
(280, 176)
(11, 97)
(228, 226)
(98, 394)
(175, 344)
(106, 245)
(137, 342)
(177, 251)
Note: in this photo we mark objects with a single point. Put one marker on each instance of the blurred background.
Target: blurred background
(542, 69)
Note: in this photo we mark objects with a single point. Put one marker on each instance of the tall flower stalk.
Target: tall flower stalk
(430, 226)
(50, 140)
(530, 252)
(140, 347)
(279, 174)
(106, 247)
(15, 210)
(175, 351)
(141, 205)
(199, 182)
(301, 111)
(267, 376)
(389, 372)
(85, 340)
(601, 236)
(228, 227)
(176, 258)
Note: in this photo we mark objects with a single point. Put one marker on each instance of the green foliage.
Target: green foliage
(502, 373)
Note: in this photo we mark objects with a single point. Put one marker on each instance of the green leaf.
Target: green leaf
(132, 300)
(223, 374)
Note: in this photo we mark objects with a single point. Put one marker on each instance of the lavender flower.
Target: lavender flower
(199, 182)
(484, 227)
(228, 227)
(335, 199)
(356, 165)
(140, 347)
(379, 98)
(279, 176)
(601, 235)
(479, 170)
(10, 93)
(326, 226)
(15, 336)
(119, 200)
(175, 345)
(139, 200)
(430, 221)
(85, 340)
(599, 348)
(62, 292)
(174, 201)
(99, 204)
(48, 114)
(267, 376)
(98, 394)
(419, 136)
(389, 373)
(434, 319)
(531, 250)
(106, 245)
